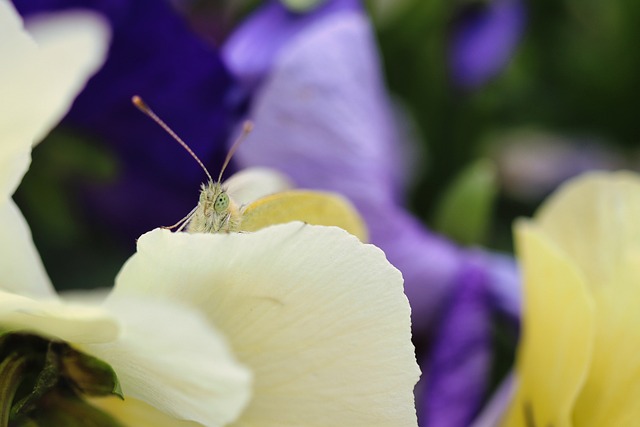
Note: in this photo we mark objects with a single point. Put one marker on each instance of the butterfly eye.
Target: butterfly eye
(222, 203)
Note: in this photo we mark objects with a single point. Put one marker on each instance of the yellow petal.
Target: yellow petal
(136, 413)
(312, 207)
(320, 318)
(595, 219)
(611, 393)
(21, 270)
(557, 338)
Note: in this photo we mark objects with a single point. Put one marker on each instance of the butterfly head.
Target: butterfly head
(215, 210)
(214, 199)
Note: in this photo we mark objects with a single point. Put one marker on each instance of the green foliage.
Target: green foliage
(575, 72)
(62, 163)
(50, 197)
(301, 5)
(44, 383)
(465, 211)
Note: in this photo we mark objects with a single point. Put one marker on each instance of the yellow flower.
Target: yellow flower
(578, 362)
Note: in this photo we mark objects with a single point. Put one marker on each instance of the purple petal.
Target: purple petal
(323, 117)
(493, 411)
(429, 263)
(484, 39)
(251, 50)
(153, 54)
(459, 365)
(503, 282)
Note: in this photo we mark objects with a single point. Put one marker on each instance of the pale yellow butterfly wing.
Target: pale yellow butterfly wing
(312, 207)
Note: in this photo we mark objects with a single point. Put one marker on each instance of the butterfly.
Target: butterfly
(218, 211)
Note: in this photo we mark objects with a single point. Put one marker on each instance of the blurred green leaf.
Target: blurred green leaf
(62, 164)
(301, 5)
(464, 213)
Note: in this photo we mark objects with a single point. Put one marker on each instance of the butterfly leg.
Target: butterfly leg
(183, 222)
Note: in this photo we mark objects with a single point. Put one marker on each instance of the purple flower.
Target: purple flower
(459, 367)
(250, 56)
(484, 38)
(322, 116)
(155, 55)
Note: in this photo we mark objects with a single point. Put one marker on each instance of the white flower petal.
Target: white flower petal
(67, 322)
(18, 51)
(21, 270)
(171, 358)
(94, 296)
(253, 183)
(319, 317)
(72, 46)
(39, 82)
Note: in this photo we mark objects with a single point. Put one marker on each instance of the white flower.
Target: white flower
(319, 317)
(166, 356)
(38, 81)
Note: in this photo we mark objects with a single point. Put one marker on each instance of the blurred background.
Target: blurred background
(501, 100)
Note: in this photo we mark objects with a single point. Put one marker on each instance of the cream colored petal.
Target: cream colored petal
(71, 48)
(557, 338)
(94, 296)
(319, 317)
(21, 270)
(18, 51)
(136, 413)
(55, 319)
(38, 81)
(171, 358)
(596, 221)
(253, 183)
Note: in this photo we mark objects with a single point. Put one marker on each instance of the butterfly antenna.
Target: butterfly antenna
(247, 127)
(142, 106)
